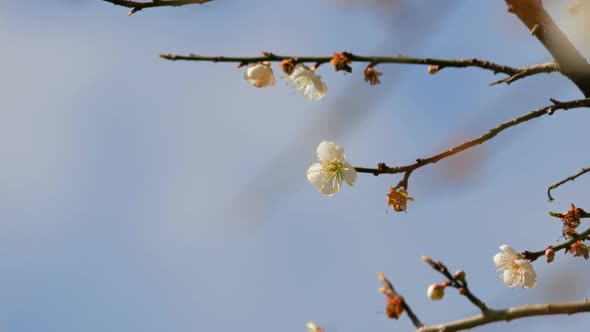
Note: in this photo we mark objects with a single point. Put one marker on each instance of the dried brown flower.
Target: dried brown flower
(340, 61)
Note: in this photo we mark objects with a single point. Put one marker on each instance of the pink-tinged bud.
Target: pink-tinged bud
(446, 283)
(460, 275)
(433, 69)
(436, 292)
(550, 254)
(462, 291)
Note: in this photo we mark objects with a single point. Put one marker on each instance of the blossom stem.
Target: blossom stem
(547, 110)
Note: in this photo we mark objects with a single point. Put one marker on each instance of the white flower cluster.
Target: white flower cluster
(301, 77)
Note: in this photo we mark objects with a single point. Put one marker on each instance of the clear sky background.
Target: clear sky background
(138, 194)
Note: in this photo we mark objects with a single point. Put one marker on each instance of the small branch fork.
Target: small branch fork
(513, 73)
(487, 315)
(571, 62)
(569, 178)
(407, 169)
(458, 281)
(529, 71)
(137, 6)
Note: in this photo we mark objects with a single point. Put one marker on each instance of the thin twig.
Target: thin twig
(509, 314)
(569, 178)
(459, 283)
(533, 255)
(390, 291)
(529, 71)
(571, 62)
(137, 6)
(557, 105)
(266, 56)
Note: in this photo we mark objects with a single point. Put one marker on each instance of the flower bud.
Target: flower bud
(312, 327)
(460, 275)
(436, 292)
(427, 259)
(260, 75)
(550, 254)
(433, 69)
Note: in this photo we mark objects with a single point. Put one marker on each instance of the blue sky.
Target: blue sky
(139, 194)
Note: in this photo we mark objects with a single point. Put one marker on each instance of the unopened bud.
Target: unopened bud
(550, 254)
(427, 259)
(436, 292)
(462, 291)
(433, 69)
(460, 275)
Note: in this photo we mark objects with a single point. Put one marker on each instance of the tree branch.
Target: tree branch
(509, 314)
(529, 71)
(533, 255)
(569, 178)
(375, 60)
(571, 62)
(557, 105)
(391, 293)
(137, 6)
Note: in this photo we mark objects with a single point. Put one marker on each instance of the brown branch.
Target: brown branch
(569, 178)
(458, 282)
(571, 62)
(509, 314)
(390, 292)
(375, 60)
(529, 71)
(533, 255)
(557, 105)
(137, 6)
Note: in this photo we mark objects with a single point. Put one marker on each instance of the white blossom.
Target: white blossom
(517, 269)
(327, 175)
(307, 82)
(260, 75)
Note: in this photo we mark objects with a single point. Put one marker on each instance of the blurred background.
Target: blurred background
(138, 194)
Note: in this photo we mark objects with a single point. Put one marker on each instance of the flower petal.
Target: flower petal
(348, 173)
(307, 82)
(327, 183)
(332, 185)
(502, 260)
(329, 151)
(316, 176)
(529, 276)
(508, 250)
(510, 278)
